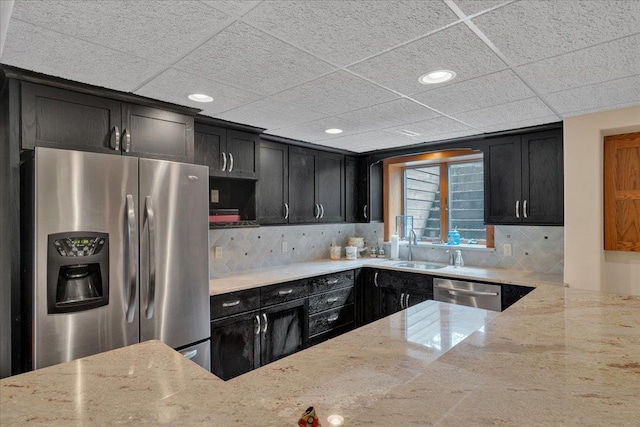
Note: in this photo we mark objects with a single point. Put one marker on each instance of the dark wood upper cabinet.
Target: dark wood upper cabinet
(274, 183)
(370, 202)
(352, 189)
(58, 118)
(228, 153)
(523, 179)
(156, 133)
(316, 186)
(61, 118)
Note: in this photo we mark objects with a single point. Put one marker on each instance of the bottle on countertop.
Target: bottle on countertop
(395, 246)
(459, 261)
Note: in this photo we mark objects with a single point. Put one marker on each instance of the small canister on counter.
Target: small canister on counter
(336, 252)
(351, 252)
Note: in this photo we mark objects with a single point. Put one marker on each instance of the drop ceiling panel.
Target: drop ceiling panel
(175, 85)
(365, 141)
(533, 121)
(484, 118)
(470, 7)
(527, 31)
(34, 48)
(150, 29)
(389, 114)
(245, 57)
(437, 126)
(314, 131)
(270, 114)
(343, 32)
(607, 61)
(608, 95)
(455, 48)
(232, 7)
(481, 92)
(336, 93)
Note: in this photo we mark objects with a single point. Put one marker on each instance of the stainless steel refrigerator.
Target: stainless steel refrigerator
(120, 255)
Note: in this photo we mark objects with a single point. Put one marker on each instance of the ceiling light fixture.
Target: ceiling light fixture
(333, 131)
(200, 97)
(439, 76)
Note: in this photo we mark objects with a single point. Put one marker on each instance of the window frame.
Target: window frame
(394, 191)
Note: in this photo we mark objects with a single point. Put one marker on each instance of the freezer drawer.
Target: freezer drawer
(478, 295)
(199, 353)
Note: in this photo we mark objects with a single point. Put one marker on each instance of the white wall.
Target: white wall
(587, 265)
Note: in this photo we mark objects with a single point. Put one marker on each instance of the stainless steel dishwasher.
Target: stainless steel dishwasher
(478, 295)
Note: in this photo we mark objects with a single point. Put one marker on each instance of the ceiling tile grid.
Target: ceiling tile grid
(388, 114)
(270, 113)
(517, 111)
(245, 57)
(346, 31)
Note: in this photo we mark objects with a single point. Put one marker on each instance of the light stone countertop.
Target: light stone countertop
(284, 273)
(558, 356)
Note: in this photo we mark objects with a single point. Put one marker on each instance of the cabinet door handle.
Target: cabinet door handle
(230, 162)
(283, 293)
(230, 304)
(316, 212)
(115, 138)
(524, 209)
(517, 208)
(257, 324)
(321, 210)
(332, 300)
(224, 161)
(402, 300)
(286, 211)
(333, 318)
(364, 211)
(332, 281)
(375, 280)
(127, 140)
(265, 326)
(406, 302)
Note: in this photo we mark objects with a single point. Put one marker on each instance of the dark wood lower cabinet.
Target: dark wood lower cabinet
(235, 345)
(284, 332)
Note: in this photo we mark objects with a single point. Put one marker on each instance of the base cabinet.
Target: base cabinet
(283, 330)
(235, 345)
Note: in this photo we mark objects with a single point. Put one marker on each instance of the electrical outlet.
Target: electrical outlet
(215, 196)
(218, 252)
(285, 246)
(506, 249)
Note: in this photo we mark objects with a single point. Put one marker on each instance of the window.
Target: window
(446, 196)
(442, 191)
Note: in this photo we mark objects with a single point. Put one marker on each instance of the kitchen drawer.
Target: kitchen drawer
(283, 292)
(224, 305)
(330, 282)
(331, 319)
(329, 300)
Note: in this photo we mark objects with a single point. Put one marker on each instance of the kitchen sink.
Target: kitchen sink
(421, 265)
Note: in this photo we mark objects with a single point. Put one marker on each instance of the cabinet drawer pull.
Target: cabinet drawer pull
(332, 281)
(332, 300)
(333, 318)
(283, 293)
(375, 279)
(231, 304)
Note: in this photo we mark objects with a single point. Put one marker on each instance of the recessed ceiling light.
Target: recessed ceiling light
(439, 76)
(200, 97)
(333, 131)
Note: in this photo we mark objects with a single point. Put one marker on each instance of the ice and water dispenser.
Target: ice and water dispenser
(77, 271)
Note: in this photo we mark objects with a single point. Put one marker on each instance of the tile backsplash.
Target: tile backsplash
(539, 249)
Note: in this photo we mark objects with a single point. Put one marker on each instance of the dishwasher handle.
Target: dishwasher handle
(468, 292)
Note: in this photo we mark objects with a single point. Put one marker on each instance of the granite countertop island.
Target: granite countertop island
(559, 356)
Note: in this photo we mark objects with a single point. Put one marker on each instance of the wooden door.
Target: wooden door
(502, 181)
(302, 185)
(542, 178)
(622, 192)
(330, 186)
(210, 142)
(235, 345)
(274, 183)
(243, 153)
(158, 134)
(284, 330)
(59, 118)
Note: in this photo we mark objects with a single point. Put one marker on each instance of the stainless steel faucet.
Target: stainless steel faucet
(412, 237)
(452, 257)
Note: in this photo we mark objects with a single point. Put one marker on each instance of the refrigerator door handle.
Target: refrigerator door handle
(151, 227)
(132, 275)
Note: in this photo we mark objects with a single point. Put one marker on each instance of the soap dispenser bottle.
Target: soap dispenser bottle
(459, 261)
